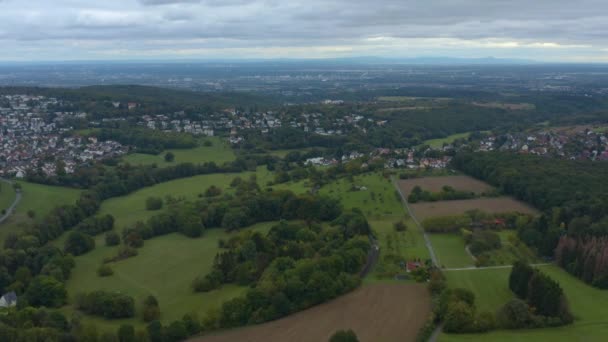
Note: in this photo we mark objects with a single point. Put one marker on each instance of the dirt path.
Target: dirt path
(376, 312)
(427, 240)
(10, 209)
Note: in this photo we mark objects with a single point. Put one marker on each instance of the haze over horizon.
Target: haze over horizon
(555, 31)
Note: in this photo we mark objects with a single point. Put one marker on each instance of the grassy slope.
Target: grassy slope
(7, 195)
(450, 250)
(587, 303)
(39, 198)
(219, 153)
(131, 208)
(382, 209)
(165, 268)
(437, 143)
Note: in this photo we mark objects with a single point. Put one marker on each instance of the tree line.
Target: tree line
(570, 193)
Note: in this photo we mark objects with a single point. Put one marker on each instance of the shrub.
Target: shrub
(104, 271)
(79, 243)
(106, 304)
(213, 191)
(344, 336)
(459, 317)
(151, 309)
(112, 239)
(169, 157)
(154, 203)
(400, 226)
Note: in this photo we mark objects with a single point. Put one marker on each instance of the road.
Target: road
(10, 209)
(372, 258)
(427, 240)
(486, 267)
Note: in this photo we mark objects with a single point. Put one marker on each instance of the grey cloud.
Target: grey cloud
(190, 24)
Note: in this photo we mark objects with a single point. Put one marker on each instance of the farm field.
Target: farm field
(376, 312)
(219, 153)
(450, 250)
(165, 268)
(424, 210)
(435, 184)
(587, 303)
(39, 198)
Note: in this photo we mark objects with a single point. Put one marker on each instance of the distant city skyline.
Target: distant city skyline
(64, 30)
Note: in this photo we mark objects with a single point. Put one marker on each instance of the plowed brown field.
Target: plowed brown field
(424, 210)
(434, 184)
(376, 312)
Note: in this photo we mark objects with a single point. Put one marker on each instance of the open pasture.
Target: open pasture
(219, 153)
(377, 312)
(425, 210)
(165, 267)
(491, 291)
(435, 184)
(40, 199)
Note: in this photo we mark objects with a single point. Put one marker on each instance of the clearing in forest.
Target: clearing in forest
(377, 312)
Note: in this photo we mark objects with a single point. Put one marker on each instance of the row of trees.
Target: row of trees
(447, 193)
(147, 140)
(586, 258)
(106, 304)
(544, 303)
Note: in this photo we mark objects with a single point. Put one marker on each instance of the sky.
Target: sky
(543, 30)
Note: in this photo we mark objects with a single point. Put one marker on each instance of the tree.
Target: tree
(46, 291)
(169, 157)
(154, 203)
(126, 333)
(344, 336)
(155, 331)
(79, 243)
(31, 214)
(519, 278)
(459, 317)
(176, 331)
(151, 309)
(112, 239)
(104, 271)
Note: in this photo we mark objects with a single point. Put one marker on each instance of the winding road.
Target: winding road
(10, 209)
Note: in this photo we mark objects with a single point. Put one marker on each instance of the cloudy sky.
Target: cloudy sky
(549, 30)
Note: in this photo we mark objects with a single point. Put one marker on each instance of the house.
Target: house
(412, 266)
(8, 300)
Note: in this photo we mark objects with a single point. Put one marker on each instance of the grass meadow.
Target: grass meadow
(165, 267)
(450, 250)
(219, 153)
(491, 290)
(39, 198)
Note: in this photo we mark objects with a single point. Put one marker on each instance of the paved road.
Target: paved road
(10, 209)
(372, 258)
(427, 240)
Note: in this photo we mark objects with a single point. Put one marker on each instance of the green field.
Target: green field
(7, 195)
(131, 208)
(219, 153)
(450, 250)
(489, 285)
(165, 268)
(378, 199)
(437, 143)
(39, 198)
(587, 303)
(380, 203)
